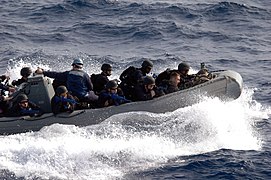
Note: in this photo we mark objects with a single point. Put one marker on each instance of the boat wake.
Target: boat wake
(133, 142)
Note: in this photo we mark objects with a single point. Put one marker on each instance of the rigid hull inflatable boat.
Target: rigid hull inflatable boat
(227, 85)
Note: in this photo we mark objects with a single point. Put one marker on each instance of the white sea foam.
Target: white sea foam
(133, 142)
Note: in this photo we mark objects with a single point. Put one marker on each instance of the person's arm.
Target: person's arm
(89, 84)
(56, 75)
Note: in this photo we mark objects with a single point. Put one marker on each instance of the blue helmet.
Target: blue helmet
(77, 61)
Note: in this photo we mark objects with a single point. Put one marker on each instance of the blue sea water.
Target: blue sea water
(209, 140)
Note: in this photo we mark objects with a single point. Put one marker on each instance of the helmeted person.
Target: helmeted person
(183, 70)
(23, 107)
(131, 77)
(25, 73)
(202, 76)
(145, 91)
(110, 96)
(99, 80)
(62, 101)
(79, 83)
(171, 85)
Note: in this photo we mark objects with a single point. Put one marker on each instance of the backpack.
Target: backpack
(127, 75)
(165, 75)
(93, 78)
(95, 83)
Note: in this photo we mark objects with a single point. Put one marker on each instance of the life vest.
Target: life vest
(76, 83)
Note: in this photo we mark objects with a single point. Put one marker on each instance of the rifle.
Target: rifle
(31, 112)
(64, 100)
(119, 99)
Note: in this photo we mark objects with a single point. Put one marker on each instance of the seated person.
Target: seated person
(110, 95)
(62, 101)
(79, 83)
(171, 85)
(145, 91)
(132, 76)
(99, 80)
(183, 70)
(25, 73)
(23, 107)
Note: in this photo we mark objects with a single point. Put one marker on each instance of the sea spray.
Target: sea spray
(133, 142)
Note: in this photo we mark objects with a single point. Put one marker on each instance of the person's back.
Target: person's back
(79, 83)
(99, 80)
(76, 83)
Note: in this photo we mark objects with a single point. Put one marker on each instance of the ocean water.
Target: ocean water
(209, 140)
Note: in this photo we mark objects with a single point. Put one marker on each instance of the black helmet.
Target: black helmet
(148, 80)
(61, 89)
(26, 71)
(106, 67)
(147, 63)
(21, 97)
(111, 84)
(183, 66)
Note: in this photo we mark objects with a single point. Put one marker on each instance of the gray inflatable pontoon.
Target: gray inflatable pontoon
(227, 85)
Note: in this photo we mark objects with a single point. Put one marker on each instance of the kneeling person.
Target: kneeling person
(110, 96)
(62, 101)
(171, 85)
(23, 107)
(146, 90)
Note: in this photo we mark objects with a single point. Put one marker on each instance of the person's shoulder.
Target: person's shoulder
(85, 74)
(100, 76)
